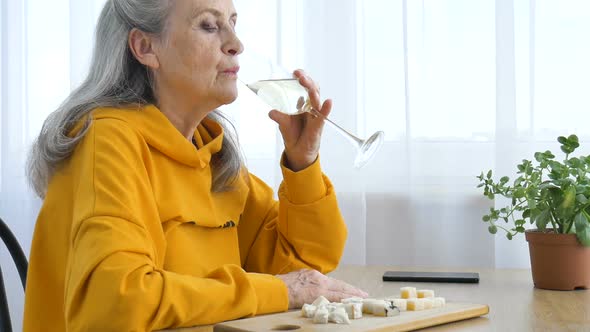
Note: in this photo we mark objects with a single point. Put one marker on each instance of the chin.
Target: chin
(229, 96)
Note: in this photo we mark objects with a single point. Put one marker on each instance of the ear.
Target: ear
(141, 45)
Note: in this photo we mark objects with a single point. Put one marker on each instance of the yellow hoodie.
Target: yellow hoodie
(130, 237)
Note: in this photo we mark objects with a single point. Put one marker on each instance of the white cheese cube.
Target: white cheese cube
(334, 305)
(438, 302)
(339, 316)
(368, 305)
(320, 301)
(387, 310)
(321, 316)
(308, 310)
(352, 300)
(401, 304)
(354, 310)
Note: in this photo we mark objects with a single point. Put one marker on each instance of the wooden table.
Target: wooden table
(515, 305)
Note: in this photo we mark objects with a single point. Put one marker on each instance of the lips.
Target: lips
(232, 70)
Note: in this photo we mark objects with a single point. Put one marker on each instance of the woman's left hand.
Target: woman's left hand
(302, 133)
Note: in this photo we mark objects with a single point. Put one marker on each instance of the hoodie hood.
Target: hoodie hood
(161, 134)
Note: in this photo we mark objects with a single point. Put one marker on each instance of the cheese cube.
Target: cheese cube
(320, 301)
(425, 293)
(352, 300)
(308, 310)
(375, 306)
(368, 305)
(385, 309)
(415, 304)
(402, 304)
(321, 316)
(428, 303)
(408, 292)
(333, 306)
(338, 316)
(438, 302)
(354, 310)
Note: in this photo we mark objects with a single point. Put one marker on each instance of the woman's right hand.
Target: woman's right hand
(306, 285)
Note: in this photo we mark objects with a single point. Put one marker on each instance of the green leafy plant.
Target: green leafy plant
(553, 195)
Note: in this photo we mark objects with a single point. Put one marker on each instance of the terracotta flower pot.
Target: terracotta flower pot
(558, 261)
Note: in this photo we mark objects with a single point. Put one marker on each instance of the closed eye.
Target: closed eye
(209, 27)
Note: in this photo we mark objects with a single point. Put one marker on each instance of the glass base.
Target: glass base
(367, 150)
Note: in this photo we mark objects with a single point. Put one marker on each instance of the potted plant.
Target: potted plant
(555, 197)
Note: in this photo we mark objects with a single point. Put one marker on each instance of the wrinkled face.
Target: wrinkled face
(198, 54)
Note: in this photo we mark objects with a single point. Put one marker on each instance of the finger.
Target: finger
(289, 125)
(345, 288)
(326, 107)
(299, 73)
(316, 121)
(314, 94)
(282, 119)
(306, 80)
(351, 291)
(333, 296)
(317, 278)
(311, 87)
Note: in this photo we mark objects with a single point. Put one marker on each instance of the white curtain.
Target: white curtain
(459, 86)
(45, 50)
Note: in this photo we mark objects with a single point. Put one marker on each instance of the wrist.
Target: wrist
(298, 164)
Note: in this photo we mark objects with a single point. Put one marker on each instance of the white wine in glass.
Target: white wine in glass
(287, 96)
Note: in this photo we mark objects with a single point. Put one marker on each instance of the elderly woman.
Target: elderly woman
(150, 219)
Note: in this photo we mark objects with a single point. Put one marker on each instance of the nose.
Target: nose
(233, 46)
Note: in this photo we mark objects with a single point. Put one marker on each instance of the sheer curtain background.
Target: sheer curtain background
(458, 86)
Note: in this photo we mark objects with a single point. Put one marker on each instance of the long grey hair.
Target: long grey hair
(117, 79)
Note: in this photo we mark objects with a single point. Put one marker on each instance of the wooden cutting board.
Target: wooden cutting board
(406, 321)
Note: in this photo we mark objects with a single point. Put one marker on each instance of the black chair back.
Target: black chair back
(19, 258)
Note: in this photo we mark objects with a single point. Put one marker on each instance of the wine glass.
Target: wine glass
(286, 95)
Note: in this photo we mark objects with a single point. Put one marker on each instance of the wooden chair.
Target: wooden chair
(19, 258)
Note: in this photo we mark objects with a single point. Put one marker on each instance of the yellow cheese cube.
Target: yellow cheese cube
(415, 304)
(408, 292)
(424, 293)
(428, 303)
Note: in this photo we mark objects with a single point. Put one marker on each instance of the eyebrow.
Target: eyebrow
(215, 12)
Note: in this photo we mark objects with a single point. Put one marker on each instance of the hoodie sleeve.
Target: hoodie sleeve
(115, 279)
(304, 229)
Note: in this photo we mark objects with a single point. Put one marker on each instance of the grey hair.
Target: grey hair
(117, 79)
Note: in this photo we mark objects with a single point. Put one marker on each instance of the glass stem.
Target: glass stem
(348, 135)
